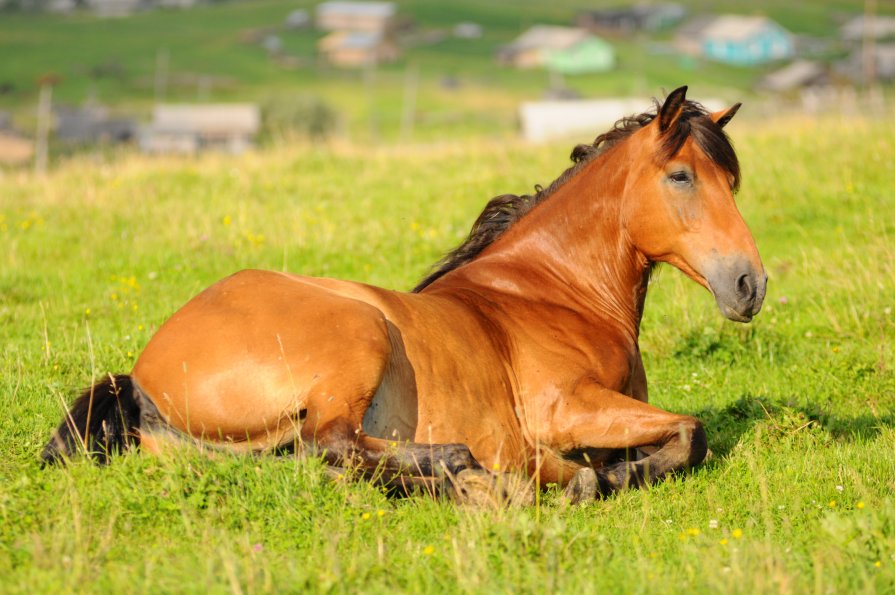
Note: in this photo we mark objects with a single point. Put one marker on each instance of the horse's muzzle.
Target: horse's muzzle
(739, 289)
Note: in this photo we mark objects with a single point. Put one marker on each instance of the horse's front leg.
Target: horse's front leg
(595, 417)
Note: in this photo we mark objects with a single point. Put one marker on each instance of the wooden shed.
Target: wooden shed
(189, 129)
(352, 49)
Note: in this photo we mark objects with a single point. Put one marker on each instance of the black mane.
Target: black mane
(503, 211)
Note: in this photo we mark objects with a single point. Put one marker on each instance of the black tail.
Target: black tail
(101, 421)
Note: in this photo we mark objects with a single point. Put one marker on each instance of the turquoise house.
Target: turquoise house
(745, 41)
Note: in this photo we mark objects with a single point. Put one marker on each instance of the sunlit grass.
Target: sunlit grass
(799, 405)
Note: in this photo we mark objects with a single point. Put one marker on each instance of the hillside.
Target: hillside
(212, 53)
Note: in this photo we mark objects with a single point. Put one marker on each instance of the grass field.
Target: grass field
(799, 405)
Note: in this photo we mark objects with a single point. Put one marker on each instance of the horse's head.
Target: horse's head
(680, 207)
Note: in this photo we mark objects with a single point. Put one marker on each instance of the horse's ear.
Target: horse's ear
(672, 108)
(722, 117)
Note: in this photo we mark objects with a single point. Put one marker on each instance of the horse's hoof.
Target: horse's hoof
(583, 487)
(482, 489)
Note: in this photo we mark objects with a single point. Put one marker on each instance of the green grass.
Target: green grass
(799, 405)
(114, 61)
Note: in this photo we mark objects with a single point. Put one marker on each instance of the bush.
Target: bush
(286, 118)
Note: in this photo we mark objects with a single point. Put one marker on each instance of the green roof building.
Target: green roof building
(566, 50)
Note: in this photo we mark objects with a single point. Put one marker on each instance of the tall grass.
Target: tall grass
(799, 405)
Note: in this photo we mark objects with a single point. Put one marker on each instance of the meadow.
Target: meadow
(799, 405)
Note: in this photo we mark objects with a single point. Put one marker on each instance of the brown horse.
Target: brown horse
(519, 352)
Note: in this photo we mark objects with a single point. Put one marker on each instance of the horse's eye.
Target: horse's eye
(680, 177)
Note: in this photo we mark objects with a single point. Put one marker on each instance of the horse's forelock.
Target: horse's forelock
(695, 122)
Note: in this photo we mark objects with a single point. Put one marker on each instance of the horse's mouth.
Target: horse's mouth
(735, 316)
(739, 290)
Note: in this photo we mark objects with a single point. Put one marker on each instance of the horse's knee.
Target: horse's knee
(686, 447)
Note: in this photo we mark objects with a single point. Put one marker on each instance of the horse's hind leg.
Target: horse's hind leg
(343, 442)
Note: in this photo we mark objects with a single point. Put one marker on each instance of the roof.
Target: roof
(367, 9)
(878, 28)
(736, 27)
(551, 37)
(696, 25)
(207, 118)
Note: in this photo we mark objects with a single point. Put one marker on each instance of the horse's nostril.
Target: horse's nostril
(745, 288)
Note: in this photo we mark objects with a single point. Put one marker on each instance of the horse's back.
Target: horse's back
(240, 362)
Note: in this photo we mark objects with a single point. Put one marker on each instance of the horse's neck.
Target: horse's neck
(571, 251)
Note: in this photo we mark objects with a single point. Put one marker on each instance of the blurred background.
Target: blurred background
(189, 76)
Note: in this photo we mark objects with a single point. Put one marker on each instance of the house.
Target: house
(298, 19)
(362, 33)
(567, 50)
(626, 20)
(467, 30)
(102, 8)
(856, 66)
(189, 129)
(736, 39)
(545, 120)
(799, 74)
(61, 6)
(372, 17)
(860, 27)
(114, 8)
(352, 49)
(181, 4)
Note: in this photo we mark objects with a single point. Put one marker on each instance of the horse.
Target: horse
(518, 352)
